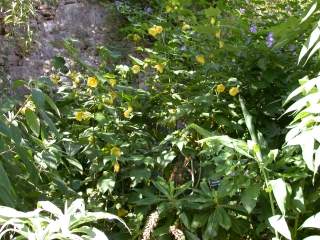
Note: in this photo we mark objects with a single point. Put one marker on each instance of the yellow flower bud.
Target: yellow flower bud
(155, 30)
(55, 78)
(91, 139)
(108, 100)
(122, 212)
(113, 95)
(116, 167)
(218, 34)
(116, 152)
(221, 44)
(220, 88)
(28, 106)
(136, 37)
(185, 27)
(200, 59)
(112, 82)
(136, 69)
(128, 112)
(168, 9)
(159, 68)
(92, 82)
(82, 116)
(234, 91)
(75, 77)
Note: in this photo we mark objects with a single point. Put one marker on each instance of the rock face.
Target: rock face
(89, 25)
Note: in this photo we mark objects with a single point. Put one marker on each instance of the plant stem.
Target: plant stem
(296, 222)
(257, 152)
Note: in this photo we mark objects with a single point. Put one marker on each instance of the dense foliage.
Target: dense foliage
(186, 137)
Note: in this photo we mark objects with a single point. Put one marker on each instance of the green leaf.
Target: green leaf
(59, 64)
(280, 225)
(250, 196)
(148, 201)
(49, 122)
(91, 232)
(223, 218)
(136, 60)
(74, 162)
(298, 200)
(106, 183)
(312, 238)
(162, 187)
(312, 222)
(50, 208)
(199, 220)
(38, 98)
(138, 175)
(237, 145)
(211, 228)
(166, 158)
(185, 220)
(190, 235)
(203, 132)
(310, 12)
(212, 12)
(306, 141)
(4, 129)
(33, 122)
(52, 104)
(279, 189)
(7, 193)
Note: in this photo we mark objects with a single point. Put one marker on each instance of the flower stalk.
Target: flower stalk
(257, 152)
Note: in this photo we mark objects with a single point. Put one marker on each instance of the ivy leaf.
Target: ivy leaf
(279, 189)
(249, 197)
(279, 224)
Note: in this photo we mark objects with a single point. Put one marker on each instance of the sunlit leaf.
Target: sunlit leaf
(280, 225)
(310, 12)
(279, 189)
(312, 222)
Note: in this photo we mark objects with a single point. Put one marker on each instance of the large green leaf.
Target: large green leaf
(312, 222)
(312, 238)
(279, 189)
(52, 104)
(237, 145)
(250, 196)
(312, 9)
(211, 229)
(223, 218)
(279, 224)
(106, 182)
(7, 193)
(33, 122)
(38, 98)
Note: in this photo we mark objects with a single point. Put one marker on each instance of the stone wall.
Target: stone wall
(89, 24)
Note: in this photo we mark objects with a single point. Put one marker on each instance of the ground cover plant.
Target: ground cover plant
(208, 129)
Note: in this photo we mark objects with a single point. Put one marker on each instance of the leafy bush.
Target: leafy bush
(187, 138)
